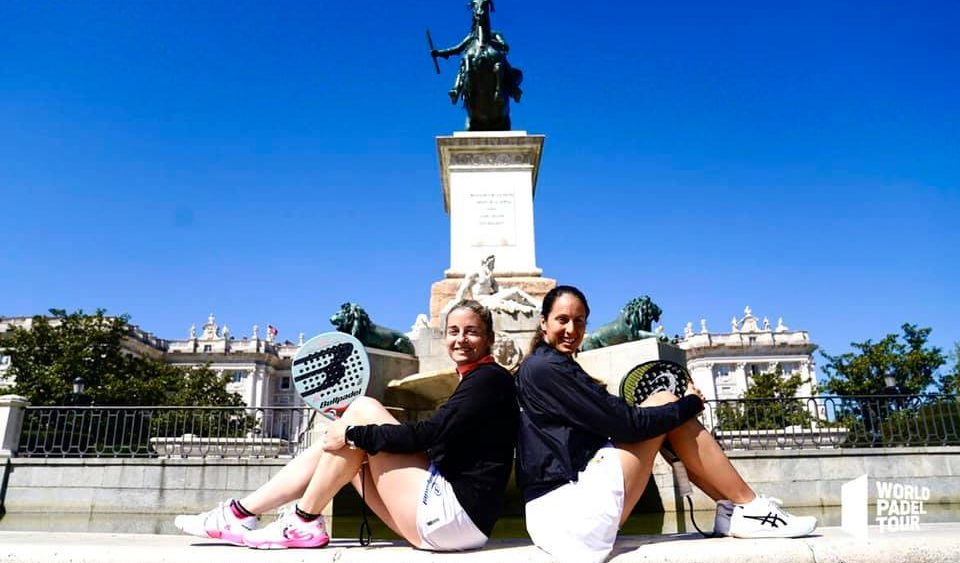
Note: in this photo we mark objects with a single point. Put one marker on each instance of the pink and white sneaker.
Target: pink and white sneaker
(219, 523)
(289, 530)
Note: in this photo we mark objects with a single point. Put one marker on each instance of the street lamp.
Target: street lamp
(891, 384)
(894, 393)
(79, 383)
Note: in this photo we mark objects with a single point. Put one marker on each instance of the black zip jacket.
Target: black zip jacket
(470, 440)
(565, 417)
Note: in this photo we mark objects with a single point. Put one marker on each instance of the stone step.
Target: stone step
(935, 542)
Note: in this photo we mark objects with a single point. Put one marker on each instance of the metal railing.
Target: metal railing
(834, 422)
(182, 432)
(241, 432)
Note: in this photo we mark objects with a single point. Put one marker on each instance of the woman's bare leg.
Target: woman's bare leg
(636, 459)
(287, 485)
(397, 479)
(708, 467)
(371, 496)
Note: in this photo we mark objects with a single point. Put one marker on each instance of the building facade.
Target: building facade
(259, 368)
(723, 364)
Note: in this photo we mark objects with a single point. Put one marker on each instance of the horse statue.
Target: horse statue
(486, 81)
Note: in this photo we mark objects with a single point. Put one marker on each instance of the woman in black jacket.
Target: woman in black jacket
(585, 456)
(437, 483)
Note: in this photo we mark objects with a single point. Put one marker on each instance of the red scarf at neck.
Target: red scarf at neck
(465, 369)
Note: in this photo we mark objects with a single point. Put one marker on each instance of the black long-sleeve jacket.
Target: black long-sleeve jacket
(470, 440)
(565, 417)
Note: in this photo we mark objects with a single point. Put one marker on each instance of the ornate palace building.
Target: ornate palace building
(258, 367)
(723, 364)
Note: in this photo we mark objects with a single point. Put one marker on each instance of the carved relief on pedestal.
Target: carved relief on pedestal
(486, 159)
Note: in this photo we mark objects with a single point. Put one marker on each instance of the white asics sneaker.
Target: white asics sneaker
(218, 523)
(764, 518)
(289, 530)
(721, 521)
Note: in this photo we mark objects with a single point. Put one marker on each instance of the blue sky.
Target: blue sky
(268, 161)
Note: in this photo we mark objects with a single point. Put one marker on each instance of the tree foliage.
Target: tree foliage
(907, 357)
(47, 357)
(769, 404)
(950, 383)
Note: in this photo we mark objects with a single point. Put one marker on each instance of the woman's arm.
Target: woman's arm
(564, 390)
(478, 395)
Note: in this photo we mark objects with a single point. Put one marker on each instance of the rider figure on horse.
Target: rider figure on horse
(483, 48)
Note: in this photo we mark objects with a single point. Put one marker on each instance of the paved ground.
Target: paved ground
(933, 543)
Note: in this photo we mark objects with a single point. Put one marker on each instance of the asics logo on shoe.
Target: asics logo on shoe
(296, 535)
(772, 519)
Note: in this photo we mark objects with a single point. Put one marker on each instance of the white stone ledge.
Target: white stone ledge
(843, 452)
(932, 543)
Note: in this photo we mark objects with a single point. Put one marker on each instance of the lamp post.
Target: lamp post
(79, 383)
(893, 392)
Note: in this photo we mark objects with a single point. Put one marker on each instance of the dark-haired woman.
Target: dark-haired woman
(437, 483)
(585, 456)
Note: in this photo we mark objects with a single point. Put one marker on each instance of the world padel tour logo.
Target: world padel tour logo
(899, 506)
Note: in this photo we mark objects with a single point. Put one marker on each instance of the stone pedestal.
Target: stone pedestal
(611, 364)
(11, 421)
(488, 181)
(441, 292)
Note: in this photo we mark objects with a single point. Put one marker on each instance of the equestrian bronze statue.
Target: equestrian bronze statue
(486, 81)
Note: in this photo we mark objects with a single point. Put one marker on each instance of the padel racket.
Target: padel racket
(330, 371)
(650, 377)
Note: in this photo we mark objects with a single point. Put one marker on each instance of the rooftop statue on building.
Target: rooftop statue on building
(485, 81)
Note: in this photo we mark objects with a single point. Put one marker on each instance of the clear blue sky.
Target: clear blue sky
(267, 161)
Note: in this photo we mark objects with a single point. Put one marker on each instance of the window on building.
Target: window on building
(755, 370)
(208, 347)
(4, 360)
(238, 376)
(284, 382)
(753, 340)
(789, 368)
(721, 371)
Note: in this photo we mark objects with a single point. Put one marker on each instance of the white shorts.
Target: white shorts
(578, 522)
(442, 523)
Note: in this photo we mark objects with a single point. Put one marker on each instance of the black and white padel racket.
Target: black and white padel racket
(650, 377)
(330, 371)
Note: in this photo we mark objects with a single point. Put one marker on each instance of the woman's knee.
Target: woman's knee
(659, 398)
(365, 410)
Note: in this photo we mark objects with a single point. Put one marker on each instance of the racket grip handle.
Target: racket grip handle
(681, 480)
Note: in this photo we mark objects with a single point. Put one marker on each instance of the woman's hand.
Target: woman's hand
(334, 437)
(694, 390)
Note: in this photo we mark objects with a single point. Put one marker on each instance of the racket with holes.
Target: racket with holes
(330, 371)
(651, 377)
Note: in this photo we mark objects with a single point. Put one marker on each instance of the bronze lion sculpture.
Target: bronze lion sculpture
(354, 320)
(633, 323)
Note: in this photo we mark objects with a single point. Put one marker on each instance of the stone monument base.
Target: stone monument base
(611, 364)
(443, 291)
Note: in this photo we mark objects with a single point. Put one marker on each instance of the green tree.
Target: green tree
(950, 382)
(46, 357)
(907, 357)
(769, 404)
